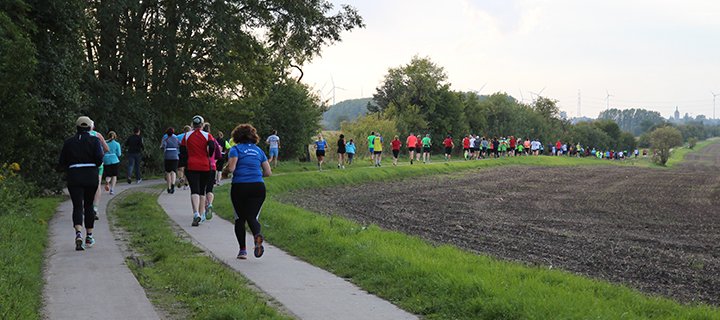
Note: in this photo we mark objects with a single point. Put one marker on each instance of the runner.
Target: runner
(341, 149)
(213, 159)
(371, 147)
(197, 146)
(496, 147)
(134, 145)
(320, 146)
(503, 144)
(449, 144)
(378, 147)
(411, 142)
(426, 144)
(350, 149)
(249, 165)
(466, 147)
(526, 145)
(111, 162)
(274, 142)
(418, 148)
(220, 164)
(101, 169)
(183, 161)
(484, 145)
(395, 144)
(473, 147)
(170, 146)
(520, 148)
(558, 148)
(80, 158)
(512, 143)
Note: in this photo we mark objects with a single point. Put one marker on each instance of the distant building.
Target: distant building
(677, 114)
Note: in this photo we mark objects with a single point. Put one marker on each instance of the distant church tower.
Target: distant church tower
(677, 114)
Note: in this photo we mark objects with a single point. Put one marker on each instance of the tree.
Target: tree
(154, 64)
(662, 140)
(40, 94)
(294, 112)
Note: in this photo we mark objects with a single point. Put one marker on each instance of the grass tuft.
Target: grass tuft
(24, 237)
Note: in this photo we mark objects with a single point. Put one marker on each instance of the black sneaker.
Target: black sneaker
(79, 244)
(129, 181)
(259, 249)
(196, 221)
(96, 215)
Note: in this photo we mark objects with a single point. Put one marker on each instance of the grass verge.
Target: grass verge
(443, 282)
(678, 154)
(21, 279)
(179, 272)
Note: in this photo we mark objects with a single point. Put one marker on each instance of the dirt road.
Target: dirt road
(654, 230)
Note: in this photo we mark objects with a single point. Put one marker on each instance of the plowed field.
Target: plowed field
(654, 230)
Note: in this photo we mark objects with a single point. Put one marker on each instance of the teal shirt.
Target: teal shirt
(112, 156)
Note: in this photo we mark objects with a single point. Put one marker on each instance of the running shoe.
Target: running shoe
(96, 215)
(168, 191)
(129, 181)
(89, 241)
(259, 249)
(112, 192)
(139, 180)
(203, 218)
(242, 255)
(172, 189)
(79, 246)
(196, 221)
(209, 212)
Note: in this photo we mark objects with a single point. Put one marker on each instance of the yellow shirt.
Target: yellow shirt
(378, 144)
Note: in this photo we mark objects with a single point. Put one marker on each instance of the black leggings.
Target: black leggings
(247, 199)
(82, 200)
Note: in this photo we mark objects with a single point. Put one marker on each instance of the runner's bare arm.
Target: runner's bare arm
(104, 144)
(266, 170)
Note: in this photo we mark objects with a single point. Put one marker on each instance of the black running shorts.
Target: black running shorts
(198, 181)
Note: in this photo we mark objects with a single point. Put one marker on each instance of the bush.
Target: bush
(662, 140)
(692, 142)
(14, 192)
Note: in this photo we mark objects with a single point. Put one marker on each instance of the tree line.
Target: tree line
(417, 98)
(154, 64)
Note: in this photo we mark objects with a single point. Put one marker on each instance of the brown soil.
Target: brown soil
(654, 230)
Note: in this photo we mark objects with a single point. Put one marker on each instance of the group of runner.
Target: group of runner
(474, 147)
(195, 156)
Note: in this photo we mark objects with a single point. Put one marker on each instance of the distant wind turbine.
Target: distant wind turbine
(607, 99)
(537, 95)
(714, 95)
(332, 81)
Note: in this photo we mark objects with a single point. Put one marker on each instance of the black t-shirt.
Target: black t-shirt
(134, 144)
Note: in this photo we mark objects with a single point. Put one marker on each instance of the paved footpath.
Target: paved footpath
(95, 283)
(305, 290)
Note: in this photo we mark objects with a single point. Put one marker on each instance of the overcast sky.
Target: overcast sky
(649, 54)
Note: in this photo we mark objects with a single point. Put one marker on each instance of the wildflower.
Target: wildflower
(15, 166)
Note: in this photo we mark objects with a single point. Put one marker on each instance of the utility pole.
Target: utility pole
(607, 99)
(714, 95)
(579, 113)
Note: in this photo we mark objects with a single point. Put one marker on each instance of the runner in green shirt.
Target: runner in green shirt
(427, 143)
(371, 146)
